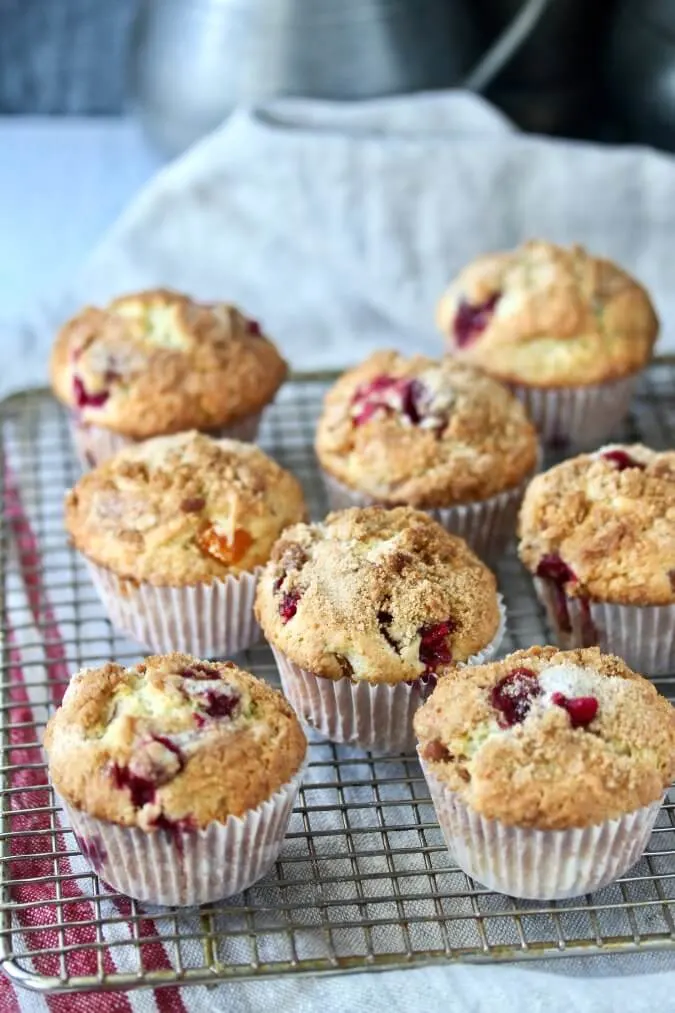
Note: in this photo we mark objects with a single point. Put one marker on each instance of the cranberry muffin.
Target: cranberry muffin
(597, 533)
(364, 610)
(547, 769)
(174, 531)
(157, 362)
(178, 775)
(436, 435)
(568, 331)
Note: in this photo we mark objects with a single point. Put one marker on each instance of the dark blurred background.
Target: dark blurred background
(602, 69)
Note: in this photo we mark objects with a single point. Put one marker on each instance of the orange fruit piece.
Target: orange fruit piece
(220, 548)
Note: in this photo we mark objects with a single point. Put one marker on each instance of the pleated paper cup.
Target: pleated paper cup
(207, 620)
(580, 417)
(539, 864)
(375, 716)
(95, 444)
(187, 867)
(643, 635)
(486, 525)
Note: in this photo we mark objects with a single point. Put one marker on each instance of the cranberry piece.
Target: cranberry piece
(219, 703)
(551, 567)
(83, 399)
(621, 460)
(182, 825)
(436, 752)
(172, 747)
(385, 393)
(581, 709)
(192, 504)
(93, 850)
(513, 696)
(200, 670)
(434, 647)
(471, 319)
(254, 328)
(384, 619)
(141, 789)
(288, 605)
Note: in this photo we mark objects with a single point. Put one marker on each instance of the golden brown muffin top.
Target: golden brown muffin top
(376, 595)
(171, 742)
(602, 525)
(423, 432)
(182, 509)
(548, 316)
(549, 739)
(159, 362)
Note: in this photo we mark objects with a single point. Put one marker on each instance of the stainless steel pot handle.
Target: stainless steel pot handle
(505, 47)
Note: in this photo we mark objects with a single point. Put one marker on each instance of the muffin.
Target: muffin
(178, 775)
(157, 362)
(439, 436)
(547, 769)
(174, 532)
(597, 533)
(365, 610)
(567, 331)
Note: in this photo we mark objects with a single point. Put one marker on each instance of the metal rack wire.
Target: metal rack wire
(364, 880)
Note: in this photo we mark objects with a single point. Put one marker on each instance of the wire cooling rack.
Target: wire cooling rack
(363, 881)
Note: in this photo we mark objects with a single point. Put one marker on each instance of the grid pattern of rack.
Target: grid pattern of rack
(363, 880)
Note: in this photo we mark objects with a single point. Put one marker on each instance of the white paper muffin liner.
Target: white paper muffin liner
(486, 525)
(208, 620)
(539, 864)
(644, 636)
(582, 417)
(375, 716)
(187, 867)
(95, 444)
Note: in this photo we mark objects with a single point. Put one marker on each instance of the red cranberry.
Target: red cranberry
(471, 319)
(434, 647)
(621, 460)
(83, 399)
(288, 605)
(384, 619)
(219, 703)
(552, 568)
(581, 709)
(200, 670)
(93, 850)
(141, 789)
(513, 696)
(172, 748)
(385, 393)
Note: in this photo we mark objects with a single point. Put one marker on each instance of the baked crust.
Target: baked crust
(158, 362)
(543, 772)
(562, 317)
(466, 438)
(366, 587)
(613, 527)
(182, 509)
(150, 735)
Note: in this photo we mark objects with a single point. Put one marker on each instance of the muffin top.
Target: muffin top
(548, 316)
(158, 362)
(376, 595)
(182, 509)
(171, 742)
(602, 526)
(424, 432)
(549, 739)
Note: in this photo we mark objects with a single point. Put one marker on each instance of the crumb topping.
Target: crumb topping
(550, 739)
(182, 509)
(376, 595)
(172, 741)
(423, 432)
(548, 315)
(602, 526)
(158, 362)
